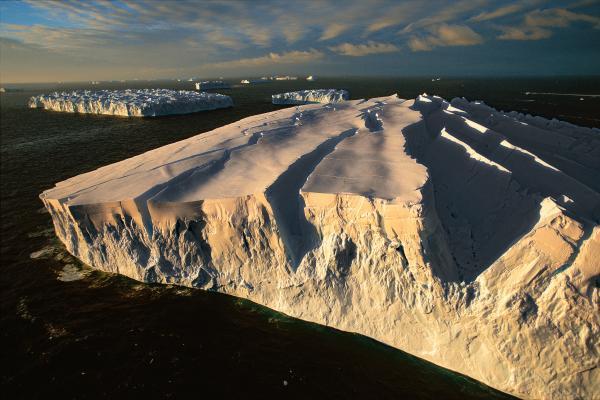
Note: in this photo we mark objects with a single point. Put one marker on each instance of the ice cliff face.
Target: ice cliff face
(311, 96)
(130, 102)
(460, 234)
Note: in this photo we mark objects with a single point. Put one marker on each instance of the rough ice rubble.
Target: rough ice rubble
(311, 96)
(414, 222)
(131, 102)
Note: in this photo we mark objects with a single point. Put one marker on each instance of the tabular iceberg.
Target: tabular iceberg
(131, 102)
(206, 85)
(311, 96)
(449, 230)
(253, 81)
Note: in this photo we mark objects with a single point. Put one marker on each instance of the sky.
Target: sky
(72, 40)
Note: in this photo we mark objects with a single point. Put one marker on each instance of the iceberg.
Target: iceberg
(311, 96)
(449, 230)
(251, 81)
(131, 102)
(207, 85)
(311, 78)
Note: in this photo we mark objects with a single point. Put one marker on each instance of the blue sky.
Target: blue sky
(124, 39)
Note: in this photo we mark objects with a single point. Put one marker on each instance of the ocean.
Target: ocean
(73, 332)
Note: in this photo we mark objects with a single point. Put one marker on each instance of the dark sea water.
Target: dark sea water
(71, 332)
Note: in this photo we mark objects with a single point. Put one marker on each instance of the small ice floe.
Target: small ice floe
(566, 199)
(71, 273)
(43, 253)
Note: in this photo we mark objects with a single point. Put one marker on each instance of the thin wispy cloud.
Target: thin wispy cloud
(540, 24)
(445, 14)
(291, 57)
(334, 30)
(446, 35)
(360, 50)
(524, 33)
(559, 18)
(499, 12)
(393, 16)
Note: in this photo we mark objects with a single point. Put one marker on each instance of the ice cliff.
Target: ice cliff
(131, 102)
(311, 96)
(458, 233)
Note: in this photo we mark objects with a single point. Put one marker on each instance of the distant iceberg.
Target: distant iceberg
(311, 78)
(251, 81)
(311, 96)
(207, 85)
(285, 78)
(131, 102)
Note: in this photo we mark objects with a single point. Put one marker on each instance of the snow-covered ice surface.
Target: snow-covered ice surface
(452, 231)
(311, 96)
(131, 102)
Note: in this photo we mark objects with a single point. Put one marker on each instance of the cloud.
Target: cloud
(452, 12)
(393, 16)
(359, 50)
(259, 36)
(219, 38)
(524, 33)
(558, 18)
(499, 12)
(445, 35)
(334, 30)
(537, 24)
(291, 57)
(63, 39)
(180, 36)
